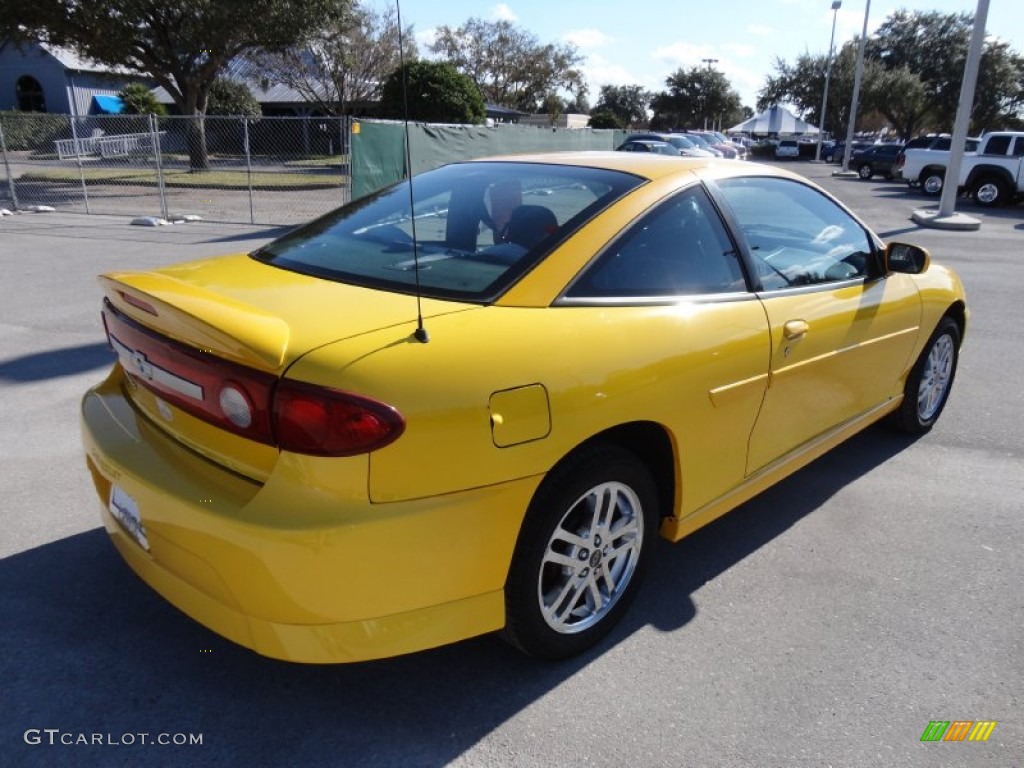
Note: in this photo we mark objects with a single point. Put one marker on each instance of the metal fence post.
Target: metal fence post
(349, 120)
(248, 167)
(154, 133)
(7, 167)
(78, 159)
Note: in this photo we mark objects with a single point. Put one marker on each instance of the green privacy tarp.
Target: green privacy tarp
(378, 151)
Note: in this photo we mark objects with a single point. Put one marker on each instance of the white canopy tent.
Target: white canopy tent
(774, 120)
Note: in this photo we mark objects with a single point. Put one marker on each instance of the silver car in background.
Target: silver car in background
(686, 147)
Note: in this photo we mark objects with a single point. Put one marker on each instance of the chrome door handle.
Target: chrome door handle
(795, 329)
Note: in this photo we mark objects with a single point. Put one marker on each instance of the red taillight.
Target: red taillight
(231, 396)
(328, 422)
(296, 417)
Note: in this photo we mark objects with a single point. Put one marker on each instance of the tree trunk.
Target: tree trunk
(195, 136)
(195, 129)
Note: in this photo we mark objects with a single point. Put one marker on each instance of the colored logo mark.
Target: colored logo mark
(958, 730)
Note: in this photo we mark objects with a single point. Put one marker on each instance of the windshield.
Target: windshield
(478, 227)
(680, 142)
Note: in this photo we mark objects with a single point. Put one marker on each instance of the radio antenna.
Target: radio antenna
(420, 334)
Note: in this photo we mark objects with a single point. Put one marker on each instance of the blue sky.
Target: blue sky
(643, 42)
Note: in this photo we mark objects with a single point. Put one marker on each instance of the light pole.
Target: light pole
(947, 217)
(836, 5)
(707, 87)
(858, 72)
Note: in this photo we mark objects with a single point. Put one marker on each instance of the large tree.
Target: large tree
(628, 103)
(696, 98)
(999, 95)
(346, 61)
(912, 74)
(802, 84)
(182, 44)
(930, 44)
(898, 94)
(434, 92)
(510, 67)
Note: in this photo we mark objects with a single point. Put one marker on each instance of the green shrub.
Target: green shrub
(437, 93)
(139, 100)
(32, 130)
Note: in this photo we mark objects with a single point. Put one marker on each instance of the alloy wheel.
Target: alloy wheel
(936, 377)
(590, 557)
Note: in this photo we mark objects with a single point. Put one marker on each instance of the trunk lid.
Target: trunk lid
(182, 331)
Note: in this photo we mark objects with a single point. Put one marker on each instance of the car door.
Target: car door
(674, 301)
(841, 333)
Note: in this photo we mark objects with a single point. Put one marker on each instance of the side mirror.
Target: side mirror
(905, 258)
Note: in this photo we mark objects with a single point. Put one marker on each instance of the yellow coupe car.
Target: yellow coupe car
(469, 402)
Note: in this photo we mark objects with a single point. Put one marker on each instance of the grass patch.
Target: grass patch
(180, 178)
(327, 161)
(316, 161)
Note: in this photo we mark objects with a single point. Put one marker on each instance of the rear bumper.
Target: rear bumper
(299, 568)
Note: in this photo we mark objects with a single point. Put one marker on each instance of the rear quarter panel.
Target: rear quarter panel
(597, 367)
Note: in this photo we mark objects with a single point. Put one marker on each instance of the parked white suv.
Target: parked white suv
(787, 149)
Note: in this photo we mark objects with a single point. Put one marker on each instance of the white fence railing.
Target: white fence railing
(106, 146)
(267, 170)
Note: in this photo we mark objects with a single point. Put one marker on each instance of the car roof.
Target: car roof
(648, 166)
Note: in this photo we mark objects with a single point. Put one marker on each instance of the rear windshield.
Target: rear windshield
(477, 227)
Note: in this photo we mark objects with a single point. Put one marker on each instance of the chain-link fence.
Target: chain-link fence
(267, 170)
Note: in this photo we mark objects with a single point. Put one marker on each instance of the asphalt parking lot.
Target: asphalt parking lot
(824, 623)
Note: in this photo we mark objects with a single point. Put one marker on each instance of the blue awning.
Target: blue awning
(107, 105)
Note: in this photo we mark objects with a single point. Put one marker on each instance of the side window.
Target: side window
(1018, 147)
(997, 145)
(680, 248)
(797, 235)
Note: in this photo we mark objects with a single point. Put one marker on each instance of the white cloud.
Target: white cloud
(759, 30)
(849, 24)
(683, 54)
(502, 12)
(425, 38)
(587, 38)
(598, 71)
(747, 83)
(740, 50)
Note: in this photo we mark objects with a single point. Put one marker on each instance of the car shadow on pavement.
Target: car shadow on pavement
(54, 363)
(263, 234)
(88, 649)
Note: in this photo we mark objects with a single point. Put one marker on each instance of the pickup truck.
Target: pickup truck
(923, 161)
(991, 174)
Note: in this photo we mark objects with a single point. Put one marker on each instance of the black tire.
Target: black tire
(989, 191)
(931, 181)
(866, 171)
(930, 380)
(564, 562)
